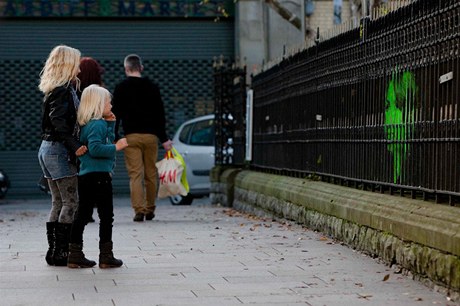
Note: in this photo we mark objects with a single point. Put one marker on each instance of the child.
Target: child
(94, 178)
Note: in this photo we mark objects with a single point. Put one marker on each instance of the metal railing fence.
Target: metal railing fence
(376, 105)
(230, 112)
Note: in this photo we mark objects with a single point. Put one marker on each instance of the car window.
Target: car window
(184, 134)
(202, 133)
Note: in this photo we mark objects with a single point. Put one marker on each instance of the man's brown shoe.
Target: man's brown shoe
(138, 217)
(149, 216)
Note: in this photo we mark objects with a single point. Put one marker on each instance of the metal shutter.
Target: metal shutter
(177, 53)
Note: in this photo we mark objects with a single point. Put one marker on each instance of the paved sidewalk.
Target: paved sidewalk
(196, 255)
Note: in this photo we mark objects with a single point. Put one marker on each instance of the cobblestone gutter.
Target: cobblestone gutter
(423, 238)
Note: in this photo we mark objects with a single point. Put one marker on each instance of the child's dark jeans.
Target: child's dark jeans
(94, 190)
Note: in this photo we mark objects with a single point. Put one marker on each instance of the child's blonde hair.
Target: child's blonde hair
(60, 68)
(92, 103)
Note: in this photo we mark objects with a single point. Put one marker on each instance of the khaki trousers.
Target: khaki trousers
(140, 158)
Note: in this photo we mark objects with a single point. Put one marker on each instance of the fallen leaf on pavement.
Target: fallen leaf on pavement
(364, 296)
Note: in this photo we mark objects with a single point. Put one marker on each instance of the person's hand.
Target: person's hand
(81, 151)
(167, 145)
(110, 117)
(121, 144)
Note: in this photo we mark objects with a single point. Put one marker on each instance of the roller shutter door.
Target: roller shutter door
(178, 54)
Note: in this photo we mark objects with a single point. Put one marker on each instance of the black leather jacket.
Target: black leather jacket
(59, 117)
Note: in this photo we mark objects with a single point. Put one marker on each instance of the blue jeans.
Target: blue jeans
(54, 160)
(61, 175)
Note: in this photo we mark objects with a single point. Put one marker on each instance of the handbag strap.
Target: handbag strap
(168, 154)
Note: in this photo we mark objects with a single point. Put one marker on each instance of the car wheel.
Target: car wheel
(4, 184)
(3, 191)
(180, 200)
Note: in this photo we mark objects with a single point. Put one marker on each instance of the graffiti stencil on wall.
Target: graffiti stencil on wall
(399, 118)
(338, 11)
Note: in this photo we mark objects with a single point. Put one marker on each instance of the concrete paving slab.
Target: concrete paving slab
(196, 255)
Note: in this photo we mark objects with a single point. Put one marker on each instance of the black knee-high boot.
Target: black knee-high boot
(61, 251)
(50, 227)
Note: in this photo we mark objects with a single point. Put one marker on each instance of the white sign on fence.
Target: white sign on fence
(249, 125)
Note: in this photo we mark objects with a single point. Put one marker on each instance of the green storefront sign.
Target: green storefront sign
(120, 8)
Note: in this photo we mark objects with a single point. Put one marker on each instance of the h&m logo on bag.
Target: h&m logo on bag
(168, 177)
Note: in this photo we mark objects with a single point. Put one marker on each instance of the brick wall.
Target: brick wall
(262, 34)
(323, 16)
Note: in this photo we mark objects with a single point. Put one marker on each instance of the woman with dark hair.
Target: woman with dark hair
(90, 73)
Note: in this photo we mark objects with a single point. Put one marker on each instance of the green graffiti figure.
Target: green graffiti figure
(399, 116)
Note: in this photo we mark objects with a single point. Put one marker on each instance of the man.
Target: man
(138, 106)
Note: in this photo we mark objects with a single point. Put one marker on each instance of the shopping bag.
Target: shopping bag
(183, 179)
(170, 171)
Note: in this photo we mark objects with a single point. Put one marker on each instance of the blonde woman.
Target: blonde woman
(60, 146)
(94, 178)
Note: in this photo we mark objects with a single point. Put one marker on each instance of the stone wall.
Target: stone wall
(223, 185)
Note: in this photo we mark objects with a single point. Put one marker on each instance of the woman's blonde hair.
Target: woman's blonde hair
(92, 103)
(60, 69)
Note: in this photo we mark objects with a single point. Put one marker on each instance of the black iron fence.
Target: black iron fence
(230, 113)
(376, 106)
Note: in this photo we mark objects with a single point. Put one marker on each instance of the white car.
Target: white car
(194, 140)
